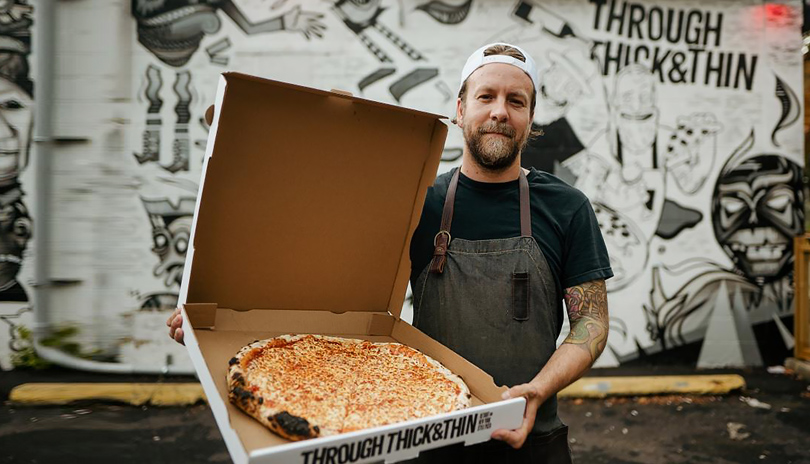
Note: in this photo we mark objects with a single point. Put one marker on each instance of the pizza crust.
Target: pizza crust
(306, 386)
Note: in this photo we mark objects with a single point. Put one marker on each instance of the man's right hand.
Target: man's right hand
(175, 324)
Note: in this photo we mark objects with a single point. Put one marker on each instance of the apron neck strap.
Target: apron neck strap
(525, 211)
(449, 201)
(442, 240)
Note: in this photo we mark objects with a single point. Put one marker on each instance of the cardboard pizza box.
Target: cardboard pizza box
(307, 203)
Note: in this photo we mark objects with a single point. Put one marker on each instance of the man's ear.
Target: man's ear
(458, 120)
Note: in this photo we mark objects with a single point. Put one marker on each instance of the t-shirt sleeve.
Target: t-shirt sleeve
(586, 257)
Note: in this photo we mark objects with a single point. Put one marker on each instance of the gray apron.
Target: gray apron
(492, 302)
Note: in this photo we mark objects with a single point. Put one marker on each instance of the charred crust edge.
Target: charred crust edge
(293, 425)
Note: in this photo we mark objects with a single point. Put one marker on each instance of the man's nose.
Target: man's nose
(498, 111)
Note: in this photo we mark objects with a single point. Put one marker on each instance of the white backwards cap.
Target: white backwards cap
(477, 59)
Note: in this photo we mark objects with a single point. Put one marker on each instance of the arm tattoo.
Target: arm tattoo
(588, 313)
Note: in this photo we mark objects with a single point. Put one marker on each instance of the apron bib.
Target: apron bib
(492, 302)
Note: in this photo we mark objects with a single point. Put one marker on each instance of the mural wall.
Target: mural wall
(16, 225)
(679, 119)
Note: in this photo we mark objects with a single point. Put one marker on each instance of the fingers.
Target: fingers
(178, 336)
(514, 438)
(175, 324)
(527, 390)
(175, 313)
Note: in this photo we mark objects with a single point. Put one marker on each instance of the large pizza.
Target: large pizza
(307, 386)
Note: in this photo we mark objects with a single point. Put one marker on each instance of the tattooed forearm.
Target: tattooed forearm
(588, 313)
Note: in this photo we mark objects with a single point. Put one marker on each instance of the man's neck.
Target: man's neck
(478, 173)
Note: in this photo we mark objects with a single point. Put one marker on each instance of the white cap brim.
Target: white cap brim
(477, 59)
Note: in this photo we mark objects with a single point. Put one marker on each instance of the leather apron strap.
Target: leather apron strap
(442, 240)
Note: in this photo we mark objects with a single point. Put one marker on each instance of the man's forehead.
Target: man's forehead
(498, 75)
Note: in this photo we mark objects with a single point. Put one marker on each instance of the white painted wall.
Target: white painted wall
(103, 232)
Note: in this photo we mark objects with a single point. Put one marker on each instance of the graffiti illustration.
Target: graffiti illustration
(628, 165)
(171, 231)
(173, 30)
(12, 329)
(362, 18)
(757, 208)
(446, 13)
(16, 119)
(643, 106)
(16, 225)
(790, 108)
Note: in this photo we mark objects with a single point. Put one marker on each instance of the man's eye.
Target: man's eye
(11, 105)
(485, 97)
(518, 102)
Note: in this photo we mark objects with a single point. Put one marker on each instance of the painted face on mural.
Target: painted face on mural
(15, 231)
(566, 79)
(16, 118)
(559, 87)
(170, 244)
(495, 115)
(634, 109)
(758, 208)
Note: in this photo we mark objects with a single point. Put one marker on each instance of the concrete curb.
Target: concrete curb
(184, 394)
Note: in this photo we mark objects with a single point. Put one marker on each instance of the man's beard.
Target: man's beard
(495, 153)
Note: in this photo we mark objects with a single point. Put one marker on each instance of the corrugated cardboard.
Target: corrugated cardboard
(307, 203)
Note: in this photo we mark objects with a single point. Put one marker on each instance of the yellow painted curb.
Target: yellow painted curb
(602, 387)
(158, 394)
(183, 394)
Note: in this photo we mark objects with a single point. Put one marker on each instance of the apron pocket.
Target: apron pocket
(520, 296)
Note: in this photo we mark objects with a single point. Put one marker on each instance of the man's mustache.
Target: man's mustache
(492, 127)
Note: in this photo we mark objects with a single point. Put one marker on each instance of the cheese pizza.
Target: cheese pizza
(307, 386)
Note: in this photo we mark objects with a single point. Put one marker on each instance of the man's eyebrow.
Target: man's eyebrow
(518, 93)
(484, 89)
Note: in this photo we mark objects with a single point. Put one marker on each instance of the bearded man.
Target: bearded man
(497, 250)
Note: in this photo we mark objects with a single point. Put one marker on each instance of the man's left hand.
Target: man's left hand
(516, 438)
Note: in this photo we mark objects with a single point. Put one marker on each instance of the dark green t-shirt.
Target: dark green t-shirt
(563, 224)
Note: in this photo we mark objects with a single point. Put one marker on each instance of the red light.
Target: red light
(776, 10)
(773, 14)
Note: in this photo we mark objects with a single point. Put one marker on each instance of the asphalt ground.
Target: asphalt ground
(767, 421)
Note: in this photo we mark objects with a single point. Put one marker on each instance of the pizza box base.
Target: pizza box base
(214, 335)
(307, 203)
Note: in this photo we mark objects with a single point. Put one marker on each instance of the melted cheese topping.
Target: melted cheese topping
(342, 385)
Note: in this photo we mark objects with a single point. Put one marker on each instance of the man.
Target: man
(494, 249)
(491, 257)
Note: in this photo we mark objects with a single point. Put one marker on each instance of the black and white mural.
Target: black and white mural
(679, 119)
(16, 225)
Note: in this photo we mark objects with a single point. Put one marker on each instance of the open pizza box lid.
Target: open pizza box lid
(307, 202)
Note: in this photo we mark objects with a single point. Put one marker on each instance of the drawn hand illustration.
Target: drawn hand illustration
(691, 150)
(307, 23)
